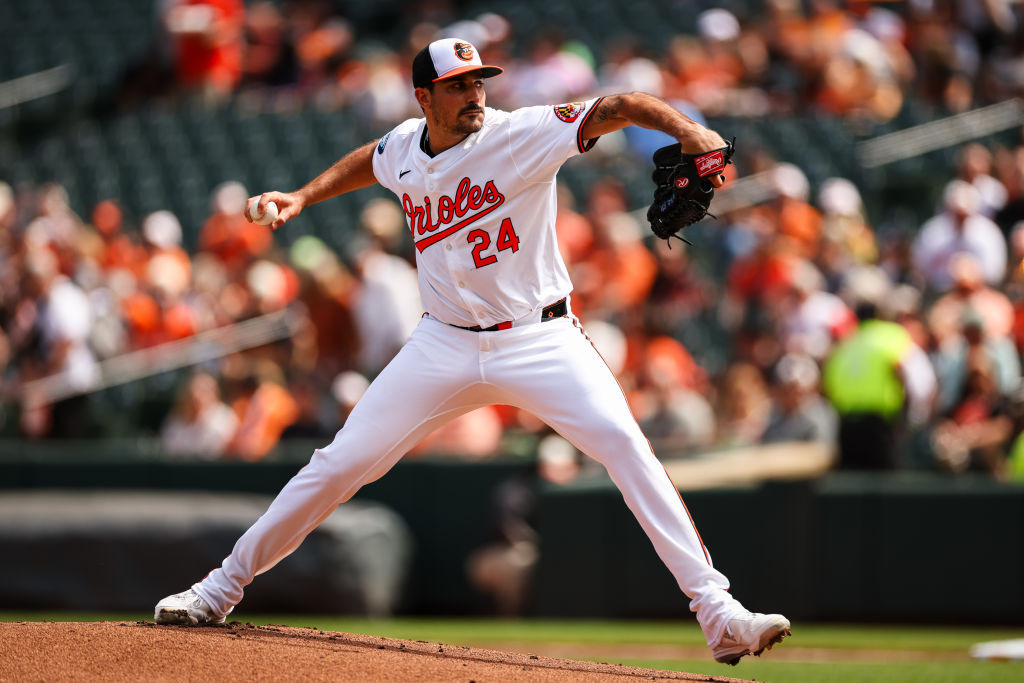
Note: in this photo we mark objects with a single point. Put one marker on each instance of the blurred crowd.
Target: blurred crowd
(852, 58)
(823, 331)
(77, 291)
(792, 320)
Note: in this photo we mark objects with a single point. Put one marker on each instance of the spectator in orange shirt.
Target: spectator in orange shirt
(109, 245)
(263, 413)
(619, 271)
(575, 234)
(227, 234)
(672, 409)
(796, 218)
(765, 274)
(207, 43)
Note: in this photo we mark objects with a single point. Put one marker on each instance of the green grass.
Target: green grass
(833, 653)
(848, 672)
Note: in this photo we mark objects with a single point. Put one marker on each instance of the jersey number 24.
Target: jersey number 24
(507, 239)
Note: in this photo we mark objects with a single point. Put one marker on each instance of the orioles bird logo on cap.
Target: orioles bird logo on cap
(464, 51)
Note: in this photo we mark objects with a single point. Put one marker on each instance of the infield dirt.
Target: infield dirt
(123, 651)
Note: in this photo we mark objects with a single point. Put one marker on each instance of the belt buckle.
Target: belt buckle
(556, 309)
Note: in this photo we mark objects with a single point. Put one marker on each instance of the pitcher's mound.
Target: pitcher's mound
(112, 651)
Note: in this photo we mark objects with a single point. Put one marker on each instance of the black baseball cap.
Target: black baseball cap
(448, 58)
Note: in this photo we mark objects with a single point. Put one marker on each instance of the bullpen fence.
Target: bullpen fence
(892, 547)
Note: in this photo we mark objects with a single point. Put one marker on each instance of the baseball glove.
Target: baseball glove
(683, 192)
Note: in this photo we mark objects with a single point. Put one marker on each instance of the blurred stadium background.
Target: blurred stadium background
(155, 348)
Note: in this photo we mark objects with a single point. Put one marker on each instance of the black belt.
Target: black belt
(556, 310)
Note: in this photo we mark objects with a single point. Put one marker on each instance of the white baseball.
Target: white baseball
(268, 216)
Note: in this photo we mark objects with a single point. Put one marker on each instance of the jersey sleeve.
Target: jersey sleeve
(542, 138)
(386, 156)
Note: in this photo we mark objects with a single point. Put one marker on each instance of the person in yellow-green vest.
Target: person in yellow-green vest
(878, 380)
(1015, 463)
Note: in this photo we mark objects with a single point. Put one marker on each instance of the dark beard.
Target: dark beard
(468, 126)
(463, 126)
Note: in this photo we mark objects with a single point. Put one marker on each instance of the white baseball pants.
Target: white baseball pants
(548, 368)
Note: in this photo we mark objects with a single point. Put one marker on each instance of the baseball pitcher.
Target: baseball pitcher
(477, 186)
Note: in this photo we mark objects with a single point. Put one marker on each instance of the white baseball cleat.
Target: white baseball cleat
(185, 608)
(750, 634)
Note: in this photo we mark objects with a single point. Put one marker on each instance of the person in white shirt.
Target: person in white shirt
(976, 168)
(201, 425)
(959, 228)
(477, 186)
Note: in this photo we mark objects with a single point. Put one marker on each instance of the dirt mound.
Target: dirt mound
(130, 651)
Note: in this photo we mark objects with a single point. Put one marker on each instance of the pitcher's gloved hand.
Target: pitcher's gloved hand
(683, 189)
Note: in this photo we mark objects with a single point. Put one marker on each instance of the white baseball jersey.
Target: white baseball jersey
(482, 213)
(482, 216)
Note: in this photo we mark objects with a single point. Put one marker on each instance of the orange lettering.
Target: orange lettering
(468, 197)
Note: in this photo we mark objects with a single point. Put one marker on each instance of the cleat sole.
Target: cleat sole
(175, 616)
(775, 639)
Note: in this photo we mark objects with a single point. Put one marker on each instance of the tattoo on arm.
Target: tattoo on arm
(608, 108)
